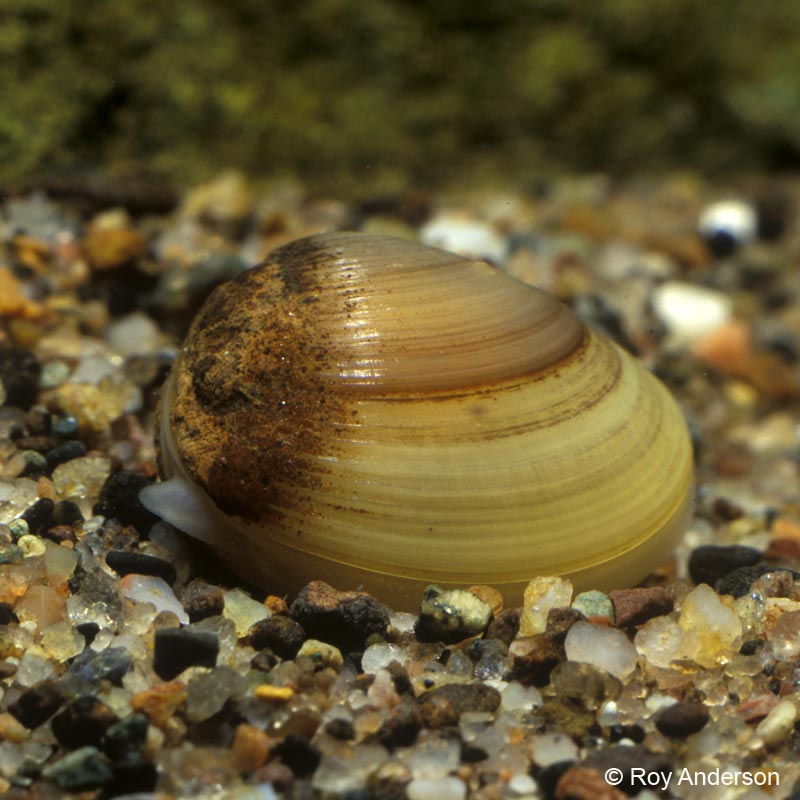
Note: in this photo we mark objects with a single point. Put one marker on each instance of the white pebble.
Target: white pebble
(778, 724)
(449, 788)
(604, 648)
(471, 238)
(133, 334)
(514, 696)
(550, 748)
(379, 656)
(522, 785)
(690, 312)
(735, 218)
(148, 589)
(243, 611)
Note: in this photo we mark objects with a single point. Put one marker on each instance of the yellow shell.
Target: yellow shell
(368, 411)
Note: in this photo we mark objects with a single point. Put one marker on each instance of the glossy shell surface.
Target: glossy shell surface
(368, 411)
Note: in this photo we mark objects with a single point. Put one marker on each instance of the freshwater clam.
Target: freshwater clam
(369, 411)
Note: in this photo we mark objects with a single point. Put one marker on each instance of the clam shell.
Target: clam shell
(369, 411)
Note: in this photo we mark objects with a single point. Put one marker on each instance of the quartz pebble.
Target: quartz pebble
(779, 723)
(690, 312)
(713, 628)
(243, 610)
(604, 648)
(449, 788)
(381, 655)
(542, 595)
(149, 589)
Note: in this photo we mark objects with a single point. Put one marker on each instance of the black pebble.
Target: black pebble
(179, 648)
(38, 515)
(65, 512)
(19, 373)
(721, 244)
(340, 728)
(38, 422)
(710, 562)
(119, 499)
(751, 647)
(7, 614)
(682, 719)
(635, 733)
(123, 741)
(298, 754)
(62, 453)
(737, 583)
(37, 704)
(82, 722)
(127, 562)
(549, 776)
(280, 634)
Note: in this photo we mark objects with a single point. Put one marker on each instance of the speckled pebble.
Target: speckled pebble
(79, 771)
(444, 705)
(593, 604)
(451, 615)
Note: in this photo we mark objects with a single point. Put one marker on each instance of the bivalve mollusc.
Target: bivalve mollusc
(372, 412)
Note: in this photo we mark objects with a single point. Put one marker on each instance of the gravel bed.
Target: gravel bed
(132, 665)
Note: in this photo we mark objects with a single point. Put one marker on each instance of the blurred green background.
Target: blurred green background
(386, 94)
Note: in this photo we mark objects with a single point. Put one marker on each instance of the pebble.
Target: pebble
(282, 635)
(298, 754)
(322, 654)
(634, 607)
(710, 562)
(38, 515)
(785, 635)
(79, 771)
(715, 627)
(83, 722)
(505, 626)
(533, 658)
(133, 334)
(19, 375)
(344, 619)
(449, 788)
(542, 595)
(778, 724)
(738, 582)
(179, 648)
(690, 312)
(589, 685)
(470, 238)
(445, 704)
(593, 604)
(37, 704)
(202, 600)
(250, 747)
(605, 648)
(451, 615)
(160, 702)
(126, 562)
(207, 694)
(728, 225)
(64, 452)
(156, 591)
(123, 741)
(243, 611)
(119, 499)
(682, 719)
(586, 783)
(111, 664)
(274, 694)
